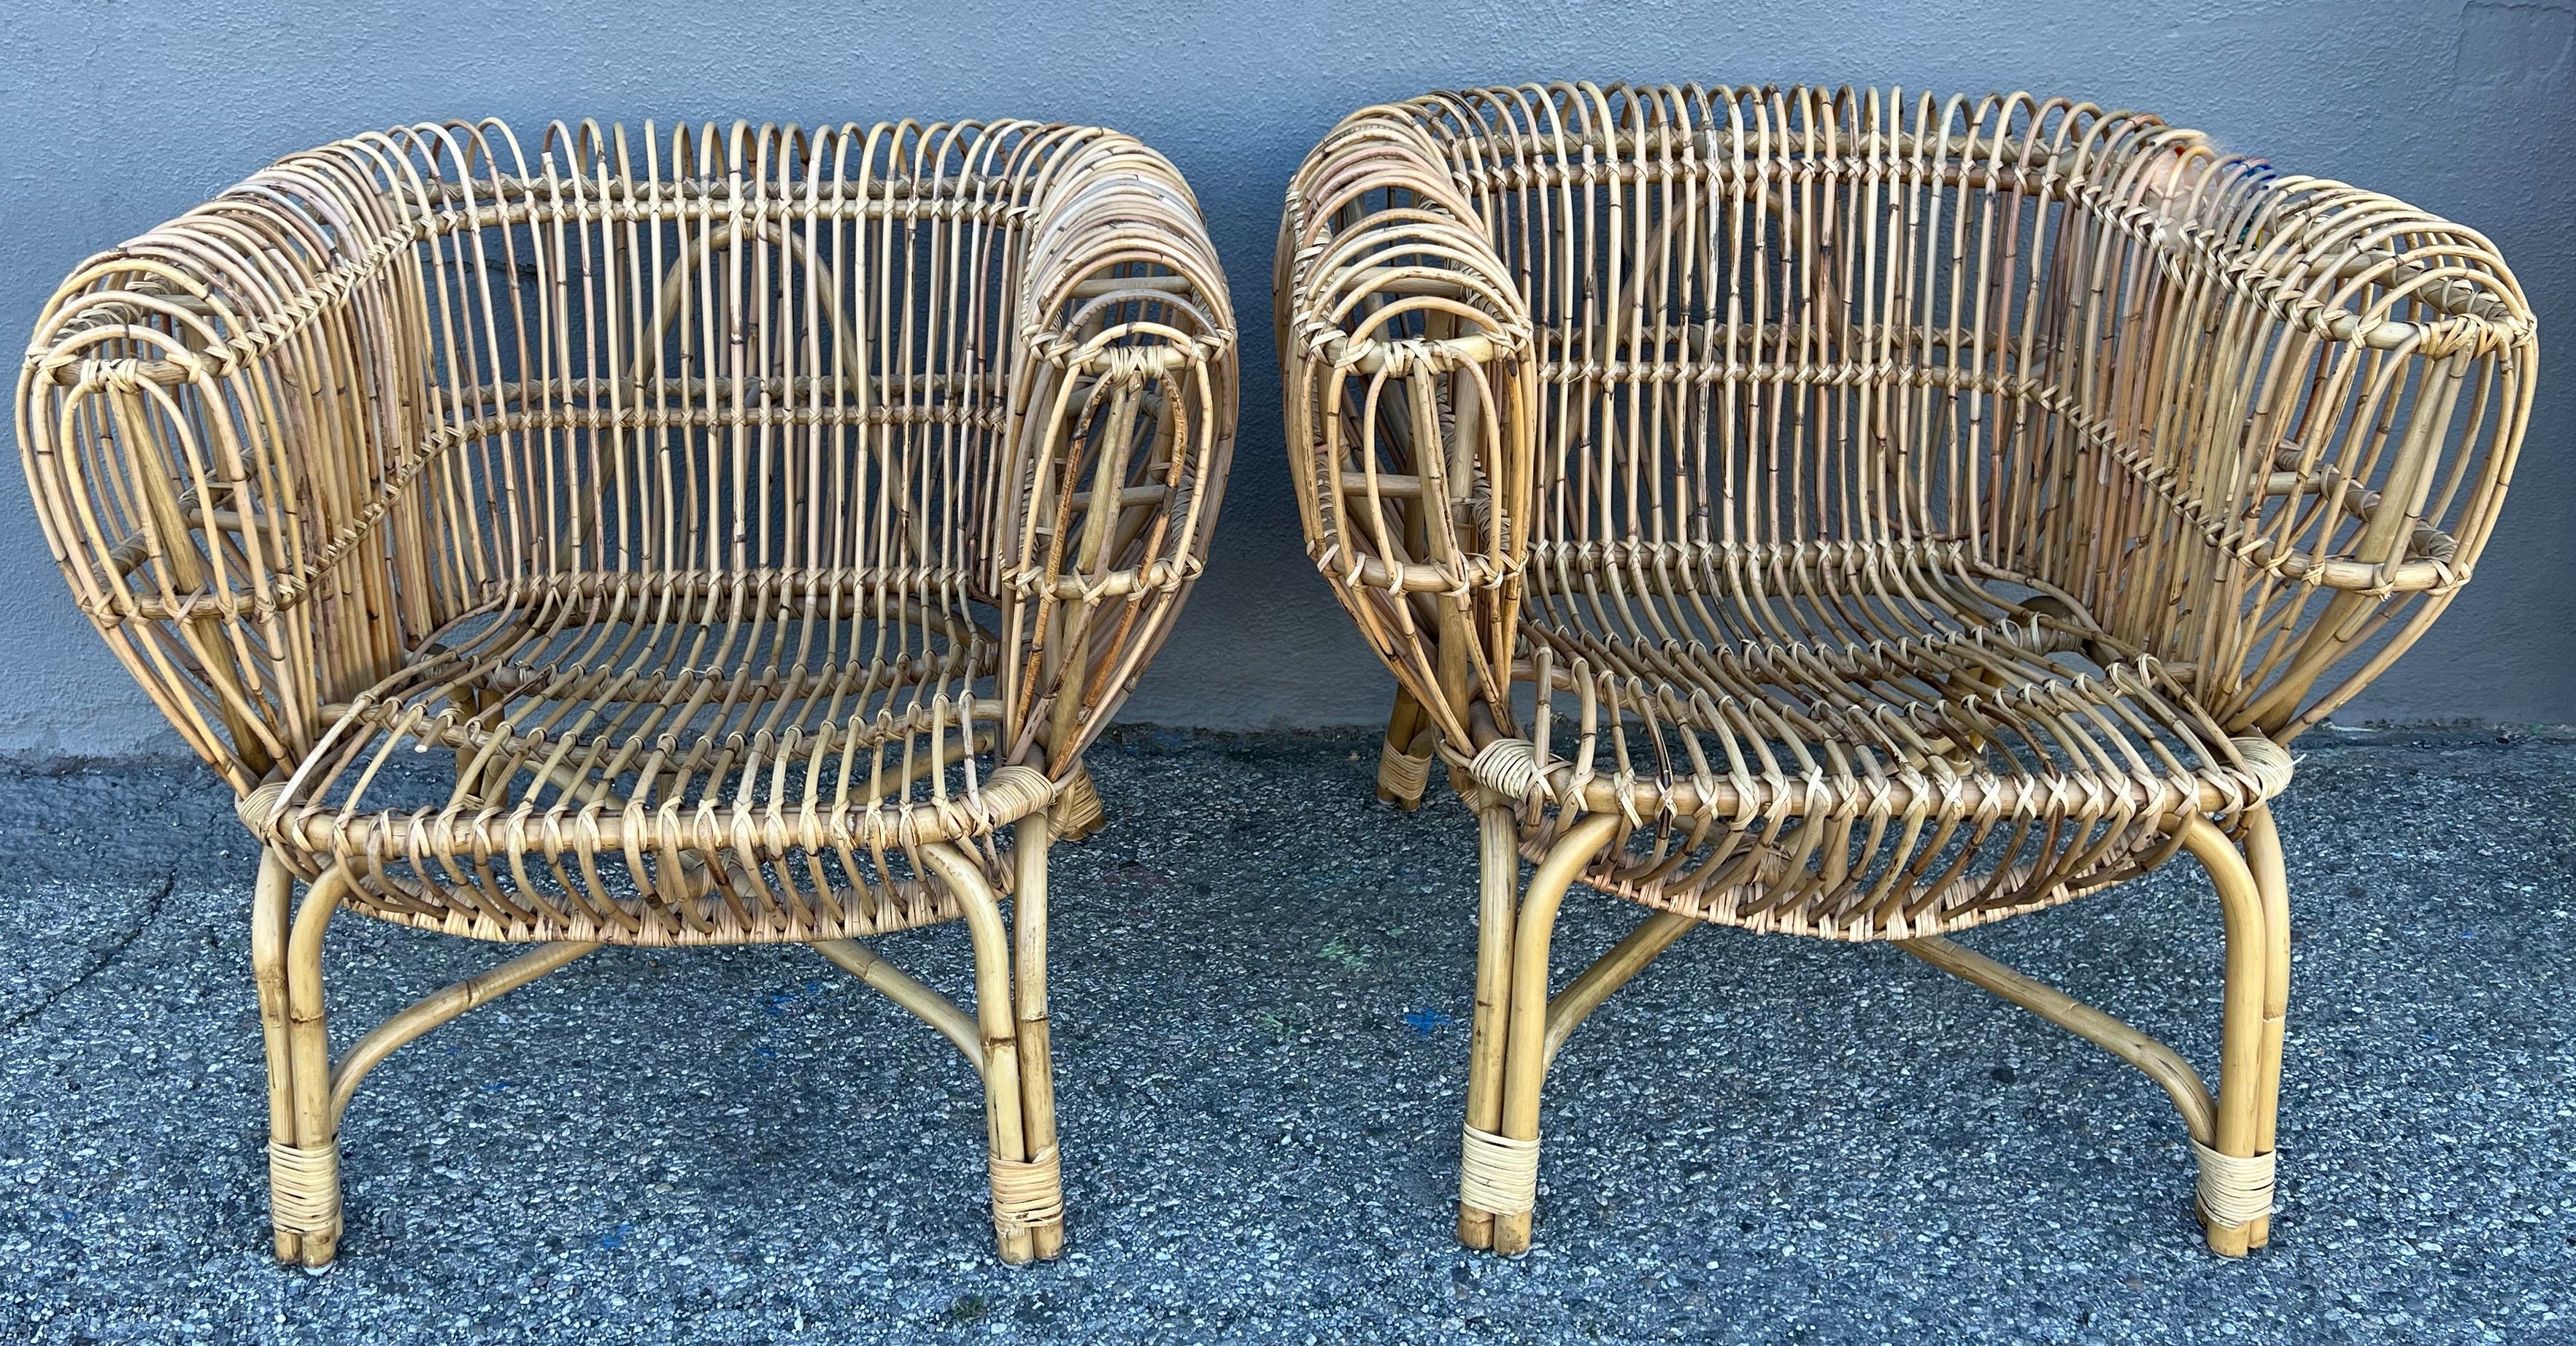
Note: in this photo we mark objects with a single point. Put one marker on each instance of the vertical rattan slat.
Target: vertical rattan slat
(758, 522)
(1868, 515)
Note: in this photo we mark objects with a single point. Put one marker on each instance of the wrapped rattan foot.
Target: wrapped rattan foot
(304, 1200)
(1401, 776)
(1076, 813)
(1028, 1197)
(1497, 1174)
(2234, 1192)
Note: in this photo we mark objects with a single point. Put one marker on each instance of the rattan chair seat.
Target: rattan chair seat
(1965, 747)
(669, 763)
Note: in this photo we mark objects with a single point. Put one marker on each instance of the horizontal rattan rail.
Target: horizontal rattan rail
(1869, 515)
(710, 535)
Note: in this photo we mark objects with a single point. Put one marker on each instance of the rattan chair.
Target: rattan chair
(1871, 515)
(756, 522)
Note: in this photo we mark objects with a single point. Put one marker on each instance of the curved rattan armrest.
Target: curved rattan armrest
(2321, 393)
(1407, 365)
(213, 418)
(1123, 415)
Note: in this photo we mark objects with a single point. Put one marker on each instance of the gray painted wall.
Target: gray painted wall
(114, 116)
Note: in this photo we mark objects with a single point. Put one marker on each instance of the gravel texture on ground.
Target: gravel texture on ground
(1260, 981)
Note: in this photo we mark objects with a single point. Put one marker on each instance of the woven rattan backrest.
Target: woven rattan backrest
(691, 373)
(765, 352)
(1777, 330)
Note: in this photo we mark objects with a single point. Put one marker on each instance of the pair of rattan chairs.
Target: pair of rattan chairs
(1855, 515)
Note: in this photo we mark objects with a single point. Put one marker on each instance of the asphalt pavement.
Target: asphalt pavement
(1261, 977)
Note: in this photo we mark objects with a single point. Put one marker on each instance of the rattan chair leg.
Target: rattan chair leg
(1496, 907)
(2271, 877)
(1027, 1186)
(1404, 755)
(304, 1172)
(2232, 1132)
(1504, 1171)
(1029, 988)
(273, 899)
(306, 1093)
(2236, 1165)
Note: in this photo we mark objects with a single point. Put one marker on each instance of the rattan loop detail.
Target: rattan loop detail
(1509, 767)
(2234, 1191)
(254, 808)
(1076, 812)
(2270, 765)
(1497, 1174)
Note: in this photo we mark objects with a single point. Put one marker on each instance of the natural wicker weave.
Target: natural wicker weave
(1868, 515)
(759, 522)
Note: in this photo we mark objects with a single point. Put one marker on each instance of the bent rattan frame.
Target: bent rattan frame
(1868, 515)
(757, 521)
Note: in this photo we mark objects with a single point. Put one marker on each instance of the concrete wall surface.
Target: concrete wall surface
(116, 115)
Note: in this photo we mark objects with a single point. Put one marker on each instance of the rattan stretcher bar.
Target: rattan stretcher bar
(701, 535)
(1869, 515)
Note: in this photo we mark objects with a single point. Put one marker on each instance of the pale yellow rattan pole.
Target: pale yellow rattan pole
(2271, 877)
(304, 1178)
(1567, 1009)
(2235, 1160)
(1031, 1032)
(896, 985)
(1497, 914)
(1525, 1053)
(272, 903)
(437, 1008)
(2191, 1096)
(1027, 1193)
